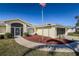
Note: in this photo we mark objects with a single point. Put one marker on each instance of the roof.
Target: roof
(52, 25)
(19, 20)
(2, 23)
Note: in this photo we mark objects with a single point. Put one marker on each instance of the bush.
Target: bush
(8, 35)
(26, 34)
(1, 36)
(74, 34)
(36, 34)
(70, 33)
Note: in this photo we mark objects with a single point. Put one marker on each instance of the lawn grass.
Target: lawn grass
(8, 47)
(11, 48)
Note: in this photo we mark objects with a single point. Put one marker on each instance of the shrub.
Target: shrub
(1, 36)
(70, 33)
(8, 35)
(26, 34)
(36, 34)
(74, 34)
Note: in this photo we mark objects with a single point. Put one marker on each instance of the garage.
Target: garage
(51, 31)
(45, 31)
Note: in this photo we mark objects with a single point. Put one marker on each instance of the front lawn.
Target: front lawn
(8, 47)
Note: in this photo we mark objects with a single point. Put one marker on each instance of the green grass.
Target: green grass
(8, 47)
(74, 34)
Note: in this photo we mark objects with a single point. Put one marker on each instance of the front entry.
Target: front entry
(17, 31)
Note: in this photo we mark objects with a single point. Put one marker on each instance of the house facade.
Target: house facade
(17, 27)
(51, 30)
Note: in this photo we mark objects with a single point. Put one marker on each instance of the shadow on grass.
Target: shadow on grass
(77, 53)
(35, 48)
(52, 48)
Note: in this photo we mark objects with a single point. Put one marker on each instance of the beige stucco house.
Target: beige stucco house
(17, 27)
(51, 30)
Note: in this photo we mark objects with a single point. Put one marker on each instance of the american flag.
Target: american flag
(43, 4)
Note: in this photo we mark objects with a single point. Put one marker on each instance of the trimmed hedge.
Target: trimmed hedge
(26, 34)
(74, 34)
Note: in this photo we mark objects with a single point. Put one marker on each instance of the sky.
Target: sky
(54, 13)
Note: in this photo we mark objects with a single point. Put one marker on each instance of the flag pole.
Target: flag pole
(42, 22)
(42, 17)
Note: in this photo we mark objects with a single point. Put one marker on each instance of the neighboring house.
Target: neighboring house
(70, 30)
(16, 27)
(51, 30)
(77, 29)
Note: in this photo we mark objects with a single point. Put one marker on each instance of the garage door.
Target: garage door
(45, 32)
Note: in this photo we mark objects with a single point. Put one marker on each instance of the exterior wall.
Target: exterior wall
(69, 31)
(16, 21)
(53, 32)
(49, 31)
(24, 28)
(45, 31)
(2, 29)
(39, 31)
(8, 28)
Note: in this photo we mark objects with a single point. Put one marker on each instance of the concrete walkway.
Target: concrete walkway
(31, 44)
(26, 43)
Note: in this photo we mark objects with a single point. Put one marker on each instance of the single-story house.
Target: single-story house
(51, 30)
(17, 27)
(77, 28)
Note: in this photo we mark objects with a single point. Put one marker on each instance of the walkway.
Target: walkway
(31, 44)
(26, 43)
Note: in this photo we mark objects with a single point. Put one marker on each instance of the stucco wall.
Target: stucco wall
(51, 32)
(16, 21)
(8, 28)
(69, 31)
(2, 29)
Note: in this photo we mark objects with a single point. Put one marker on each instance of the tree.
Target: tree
(77, 24)
(77, 17)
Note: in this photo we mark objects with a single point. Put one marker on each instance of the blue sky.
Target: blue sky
(31, 12)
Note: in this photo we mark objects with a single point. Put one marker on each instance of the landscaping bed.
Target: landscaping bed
(47, 40)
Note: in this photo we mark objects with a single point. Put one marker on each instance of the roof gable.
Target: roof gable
(19, 20)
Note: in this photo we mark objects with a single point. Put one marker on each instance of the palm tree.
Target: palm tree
(77, 17)
(77, 23)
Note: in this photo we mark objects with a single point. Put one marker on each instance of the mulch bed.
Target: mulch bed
(47, 40)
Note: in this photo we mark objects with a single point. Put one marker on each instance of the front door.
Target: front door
(17, 31)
